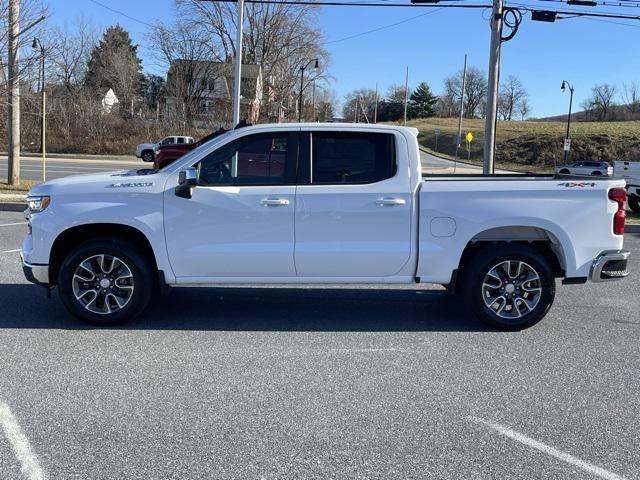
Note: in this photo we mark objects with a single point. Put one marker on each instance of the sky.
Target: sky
(582, 51)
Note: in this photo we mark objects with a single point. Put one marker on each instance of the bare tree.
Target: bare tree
(70, 51)
(631, 98)
(601, 102)
(475, 93)
(357, 101)
(512, 93)
(524, 108)
(280, 38)
(326, 104)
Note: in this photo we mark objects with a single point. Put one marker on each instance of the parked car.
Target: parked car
(169, 153)
(586, 168)
(630, 171)
(147, 151)
(320, 203)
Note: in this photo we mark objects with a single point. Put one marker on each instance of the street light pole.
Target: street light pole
(43, 109)
(302, 69)
(237, 81)
(566, 84)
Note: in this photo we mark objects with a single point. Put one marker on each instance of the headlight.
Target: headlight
(37, 204)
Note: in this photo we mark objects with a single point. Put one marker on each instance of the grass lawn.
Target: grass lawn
(534, 146)
(23, 188)
(632, 218)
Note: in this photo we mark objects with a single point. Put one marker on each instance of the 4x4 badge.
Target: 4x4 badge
(577, 184)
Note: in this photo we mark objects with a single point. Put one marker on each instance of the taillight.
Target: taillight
(618, 195)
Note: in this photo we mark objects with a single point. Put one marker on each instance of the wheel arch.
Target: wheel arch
(74, 236)
(540, 239)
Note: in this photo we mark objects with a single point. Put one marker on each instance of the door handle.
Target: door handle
(274, 202)
(390, 201)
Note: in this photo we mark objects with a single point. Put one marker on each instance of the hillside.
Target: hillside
(533, 145)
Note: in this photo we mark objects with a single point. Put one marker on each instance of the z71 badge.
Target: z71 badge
(577, 184)
(129, 184)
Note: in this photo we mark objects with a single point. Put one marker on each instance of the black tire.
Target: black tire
(148, 156)
(634, 203)
(531, 307)
(597, 173)
(140, 282)
(564, 171)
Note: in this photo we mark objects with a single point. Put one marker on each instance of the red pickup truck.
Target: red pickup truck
(170, 153)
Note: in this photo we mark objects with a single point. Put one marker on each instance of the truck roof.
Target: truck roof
(329, 125)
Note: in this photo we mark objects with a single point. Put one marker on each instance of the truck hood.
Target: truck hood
(117, 181)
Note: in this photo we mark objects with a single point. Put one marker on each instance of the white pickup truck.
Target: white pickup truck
(320, 203)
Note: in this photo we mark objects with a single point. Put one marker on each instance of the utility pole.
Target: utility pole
(492, 94)
(406, 95)
(14, 95)
(375, 109)
(464, 85)
(238, 73)
(43, 108)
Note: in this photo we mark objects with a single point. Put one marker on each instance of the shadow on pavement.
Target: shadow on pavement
(260, 309)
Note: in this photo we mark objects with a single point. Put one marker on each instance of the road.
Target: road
(313, 383)
(31, 168)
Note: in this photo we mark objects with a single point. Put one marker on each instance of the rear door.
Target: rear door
(353, 205)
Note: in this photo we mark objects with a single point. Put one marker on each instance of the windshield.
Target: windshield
(185, 159)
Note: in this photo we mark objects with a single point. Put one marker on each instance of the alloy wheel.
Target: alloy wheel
(103, 284)
(511, 289)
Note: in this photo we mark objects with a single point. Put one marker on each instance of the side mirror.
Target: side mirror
(187, 179)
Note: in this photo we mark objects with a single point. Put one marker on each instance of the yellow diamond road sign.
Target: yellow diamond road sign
(469, 137)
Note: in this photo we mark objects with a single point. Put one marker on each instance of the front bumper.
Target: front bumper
(609, 265)
(38, 274)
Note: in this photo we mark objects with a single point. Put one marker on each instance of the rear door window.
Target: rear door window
(352, 157)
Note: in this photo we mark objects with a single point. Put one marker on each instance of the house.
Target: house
(108, 100)
(202, 92)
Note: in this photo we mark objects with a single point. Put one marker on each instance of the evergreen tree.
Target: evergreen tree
(114, 63)
(422, 103)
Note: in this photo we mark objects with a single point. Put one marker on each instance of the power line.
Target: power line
(373, 30)
(616, 3)
(122, 13)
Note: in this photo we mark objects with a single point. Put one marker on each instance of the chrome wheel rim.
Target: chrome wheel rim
(511, 289)
(103, 284)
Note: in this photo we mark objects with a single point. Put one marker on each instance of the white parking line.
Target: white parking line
(12, 224)
(29, 463)
(554, 452)
(12, 251)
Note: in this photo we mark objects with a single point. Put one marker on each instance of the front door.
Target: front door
(240, 219)
(353, 217)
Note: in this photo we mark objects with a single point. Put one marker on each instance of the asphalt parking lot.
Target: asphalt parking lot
(306, 383)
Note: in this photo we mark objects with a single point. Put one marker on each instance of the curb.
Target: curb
(632, 229)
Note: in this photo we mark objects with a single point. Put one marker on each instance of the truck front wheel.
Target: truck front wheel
(105, 281)
(509, 286)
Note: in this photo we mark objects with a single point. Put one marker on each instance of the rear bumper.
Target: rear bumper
(38, 274)
(609, 265)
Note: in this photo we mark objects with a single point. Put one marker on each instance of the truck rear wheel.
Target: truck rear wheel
(509, 287)
(634, 203)
(105, 281)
